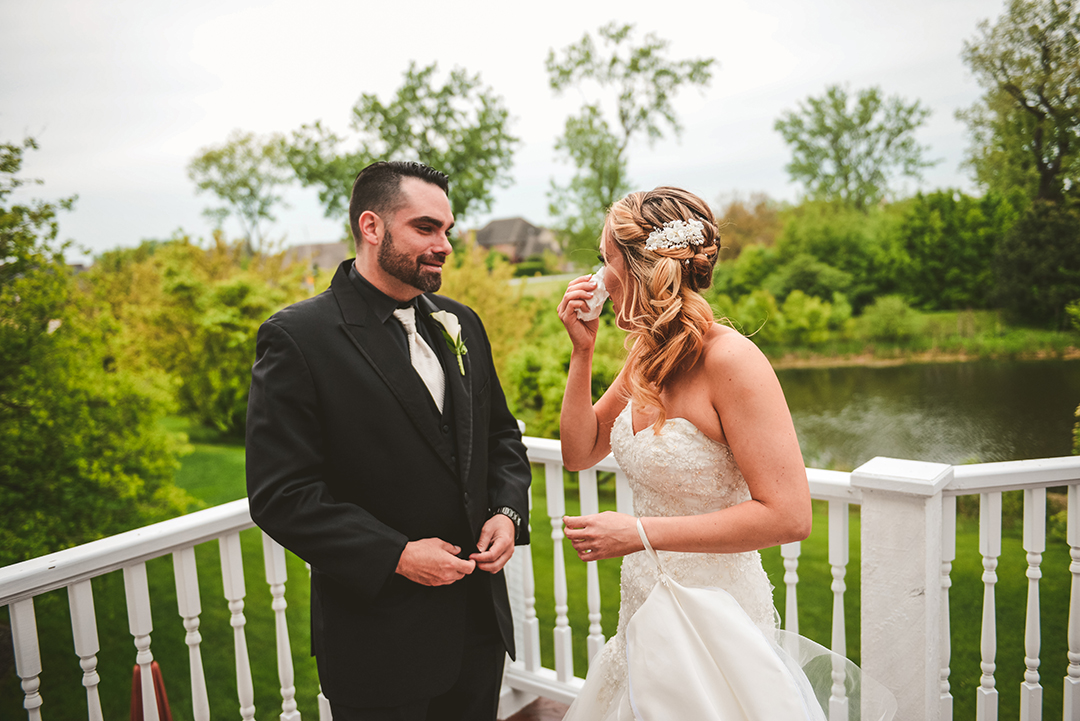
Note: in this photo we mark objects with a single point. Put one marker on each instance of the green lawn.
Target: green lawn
(214, 474)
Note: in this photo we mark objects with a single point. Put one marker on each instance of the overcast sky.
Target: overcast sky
(122, 94)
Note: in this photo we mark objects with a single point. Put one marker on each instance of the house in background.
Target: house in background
(517, 239)
(322, 256)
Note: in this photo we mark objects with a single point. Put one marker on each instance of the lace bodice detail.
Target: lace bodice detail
(678, 472)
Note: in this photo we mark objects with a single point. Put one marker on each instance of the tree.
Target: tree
(84, 454)
(745, 221)
(645, 81)
(1026, 127)
(949, 240)
(847, 149)
(460, 128)
(244, 173)
(1037, 264)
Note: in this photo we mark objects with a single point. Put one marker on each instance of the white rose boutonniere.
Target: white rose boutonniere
(451, 330)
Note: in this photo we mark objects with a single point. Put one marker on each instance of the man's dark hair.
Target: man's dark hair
(378, 188)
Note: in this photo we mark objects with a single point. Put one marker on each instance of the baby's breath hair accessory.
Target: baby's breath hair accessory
(676, 234)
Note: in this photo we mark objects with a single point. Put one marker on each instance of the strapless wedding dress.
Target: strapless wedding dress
(682, 472)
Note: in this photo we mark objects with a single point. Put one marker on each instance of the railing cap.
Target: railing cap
(915, 478)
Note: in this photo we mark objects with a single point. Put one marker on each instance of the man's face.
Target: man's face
(415, 241)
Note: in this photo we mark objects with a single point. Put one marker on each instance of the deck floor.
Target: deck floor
(542, 709)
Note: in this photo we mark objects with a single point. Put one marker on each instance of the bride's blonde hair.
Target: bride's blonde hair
(662, 306)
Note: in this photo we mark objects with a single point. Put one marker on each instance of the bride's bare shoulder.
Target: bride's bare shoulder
(726, 350)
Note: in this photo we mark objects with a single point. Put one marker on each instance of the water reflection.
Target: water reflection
(946, 412)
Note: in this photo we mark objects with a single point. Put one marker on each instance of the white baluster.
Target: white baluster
(624, 497)
(790, 552)
(324, 703)
(276, 576)
(948, 555)
(1071, 705)
(556, 508)
(1031, 692)
(986, 698)
(140, 624)
(590, 503)
(27, 655)
(84, 631)
(232, 576)
(839, 539)
(189, 605)
(530, 627)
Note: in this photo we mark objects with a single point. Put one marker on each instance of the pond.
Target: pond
(977, 411)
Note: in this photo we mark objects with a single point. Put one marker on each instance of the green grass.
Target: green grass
(214, 474)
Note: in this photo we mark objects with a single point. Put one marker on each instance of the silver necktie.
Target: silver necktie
(423, 358)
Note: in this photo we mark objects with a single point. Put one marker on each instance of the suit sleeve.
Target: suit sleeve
(286, 463)
(509, 472)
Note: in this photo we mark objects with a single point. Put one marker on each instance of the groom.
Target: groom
(380, 450)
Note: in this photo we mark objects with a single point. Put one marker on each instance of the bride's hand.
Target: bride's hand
(582, 332)
(603, 535)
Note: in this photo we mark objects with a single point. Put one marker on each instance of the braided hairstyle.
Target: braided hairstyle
(662, 307)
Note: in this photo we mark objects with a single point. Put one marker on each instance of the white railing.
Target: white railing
(908, 545)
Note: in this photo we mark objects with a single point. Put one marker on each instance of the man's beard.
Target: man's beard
(406, 268)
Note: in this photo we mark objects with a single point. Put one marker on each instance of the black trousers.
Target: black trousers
(474, 697)
(475, 694)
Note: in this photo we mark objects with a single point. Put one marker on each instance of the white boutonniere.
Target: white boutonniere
(451, 330)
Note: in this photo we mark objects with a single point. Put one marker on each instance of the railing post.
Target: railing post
(901, 534)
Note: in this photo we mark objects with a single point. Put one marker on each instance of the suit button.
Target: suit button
(446, 429)
(466, 499)
(453, 459)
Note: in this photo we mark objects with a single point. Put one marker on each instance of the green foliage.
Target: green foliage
(1026, 127)
(890, 319)
(748, 221)
(846, 150)
(84, 453)
(536, 372)
(1037, 265)
(460, 128)
(580, 205)
(243, 173)
(820, 239)
(645, 82)
(950, 239)
(192, 314)
(481, 281)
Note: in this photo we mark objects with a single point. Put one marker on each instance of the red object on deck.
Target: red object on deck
(164, 714)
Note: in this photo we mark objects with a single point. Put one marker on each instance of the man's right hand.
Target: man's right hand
(433, 562)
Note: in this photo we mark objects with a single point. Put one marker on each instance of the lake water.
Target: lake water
(977, 411)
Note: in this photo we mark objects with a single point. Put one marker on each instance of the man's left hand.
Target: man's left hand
(496, 544)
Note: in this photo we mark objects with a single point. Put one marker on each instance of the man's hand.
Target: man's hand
(434, 562)
(496, 544)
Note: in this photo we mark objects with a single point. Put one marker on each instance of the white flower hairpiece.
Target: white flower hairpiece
(676, 234)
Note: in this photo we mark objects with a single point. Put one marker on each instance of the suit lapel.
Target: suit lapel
(460, 386)
(382, 352)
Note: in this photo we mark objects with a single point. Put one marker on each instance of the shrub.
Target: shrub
(891, 320)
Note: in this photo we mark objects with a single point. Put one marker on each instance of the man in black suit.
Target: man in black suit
(405, 496)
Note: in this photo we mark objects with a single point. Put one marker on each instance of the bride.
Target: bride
(697, 420)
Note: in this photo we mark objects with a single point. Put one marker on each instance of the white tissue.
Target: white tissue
(594, 305)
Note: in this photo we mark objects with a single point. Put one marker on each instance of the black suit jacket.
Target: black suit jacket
(347, 461)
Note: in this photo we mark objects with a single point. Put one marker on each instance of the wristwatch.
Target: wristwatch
(512, 515)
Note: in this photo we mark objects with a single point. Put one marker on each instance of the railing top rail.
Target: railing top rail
(57, 570)
(1014, 475)
(832, 486)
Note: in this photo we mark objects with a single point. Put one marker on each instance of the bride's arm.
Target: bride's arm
(757, 424)
(584, 429)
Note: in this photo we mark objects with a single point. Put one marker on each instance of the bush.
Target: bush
(806, 319)
(890, 320)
